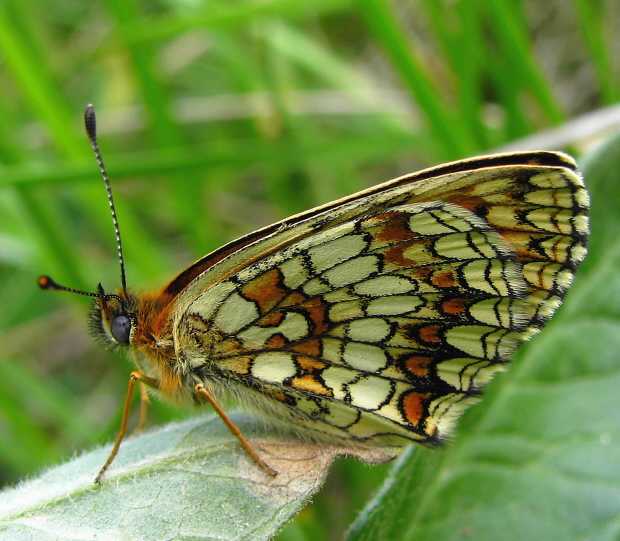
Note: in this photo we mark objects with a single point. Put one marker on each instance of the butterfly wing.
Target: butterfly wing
(377, 318)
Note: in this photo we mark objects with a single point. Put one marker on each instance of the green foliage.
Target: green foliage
(219, 117)
(186, 480)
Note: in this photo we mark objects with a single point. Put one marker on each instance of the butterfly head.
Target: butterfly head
(112, 317)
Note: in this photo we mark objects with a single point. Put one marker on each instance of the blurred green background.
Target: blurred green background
(218, 117)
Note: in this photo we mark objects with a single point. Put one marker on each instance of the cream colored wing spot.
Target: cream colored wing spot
(274, 367)
(551, 198)
(369, 392)
(371, 427)
(235, 313)
(316, 287)
(582, 199)
(548, 276)
(340, 415)
(394, 305)
(337, 378)
(364, 357)
(563, 279)
(390, 410)
(577, 253)
(483, 342)
(445, 410)
(208, 302)
(293, 327)
(558, 248)
(308, 406)
(555, 179)
(294, 272)
(332, 351)
(470, 245)
(329, 254)
(465, 373)
(340, 295)
(495, 277)
(439, 219)
(351, 271)
(502, 312)
(368, 330)
(387, 285)
(346, 311)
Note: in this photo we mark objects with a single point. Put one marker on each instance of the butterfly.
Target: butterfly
(374, 320)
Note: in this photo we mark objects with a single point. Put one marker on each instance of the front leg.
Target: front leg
(134, 376)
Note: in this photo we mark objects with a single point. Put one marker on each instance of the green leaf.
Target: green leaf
(186, 480)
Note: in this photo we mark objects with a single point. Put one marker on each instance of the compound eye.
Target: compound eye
(120, 327)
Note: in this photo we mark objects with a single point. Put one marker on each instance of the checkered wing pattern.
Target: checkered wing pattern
(377, 319)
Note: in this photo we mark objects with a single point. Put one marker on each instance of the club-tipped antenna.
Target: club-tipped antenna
(90, 121)
(45, 282)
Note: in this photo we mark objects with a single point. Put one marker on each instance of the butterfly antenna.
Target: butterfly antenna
(45, 282)
(90, 121)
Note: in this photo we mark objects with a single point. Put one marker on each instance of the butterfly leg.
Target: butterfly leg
(143, 380)
(145, 402)
(202, 391)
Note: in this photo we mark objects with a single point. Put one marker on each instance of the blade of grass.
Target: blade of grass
(451, 136)
(512, 34)
(591, 17)
(228, 16)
